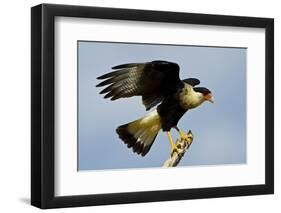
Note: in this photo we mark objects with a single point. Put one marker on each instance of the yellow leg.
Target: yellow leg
(170, 139)
(182, 134)
(173, 146)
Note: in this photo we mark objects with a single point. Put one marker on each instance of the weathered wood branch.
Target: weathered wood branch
(182, 145)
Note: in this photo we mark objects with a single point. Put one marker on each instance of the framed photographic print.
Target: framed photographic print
(139, 106)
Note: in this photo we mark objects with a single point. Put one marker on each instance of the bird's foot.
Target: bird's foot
(183, 135)
(186, 137)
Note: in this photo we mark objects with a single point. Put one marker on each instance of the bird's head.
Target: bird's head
(206, 94)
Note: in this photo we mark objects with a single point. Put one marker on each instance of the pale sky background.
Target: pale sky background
(219, 129)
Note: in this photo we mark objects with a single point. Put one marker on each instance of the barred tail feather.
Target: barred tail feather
(140, 134)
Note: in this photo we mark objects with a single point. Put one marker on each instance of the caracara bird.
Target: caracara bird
(159, 84)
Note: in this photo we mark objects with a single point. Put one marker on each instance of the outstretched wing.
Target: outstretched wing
(153, 81)
(192, 81)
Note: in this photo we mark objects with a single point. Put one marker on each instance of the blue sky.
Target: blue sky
(219, 129)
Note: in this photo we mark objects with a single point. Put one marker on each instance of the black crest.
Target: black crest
(203, 90)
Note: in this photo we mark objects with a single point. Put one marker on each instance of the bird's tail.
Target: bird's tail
(140, 134)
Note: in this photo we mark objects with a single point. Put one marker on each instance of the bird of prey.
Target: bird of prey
(158, 84)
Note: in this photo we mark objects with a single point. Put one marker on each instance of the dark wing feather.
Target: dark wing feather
(153, 81)
(192, 81)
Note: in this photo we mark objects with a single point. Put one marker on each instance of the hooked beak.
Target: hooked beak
(210, 98)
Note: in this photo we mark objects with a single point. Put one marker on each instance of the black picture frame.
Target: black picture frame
(43, 113)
